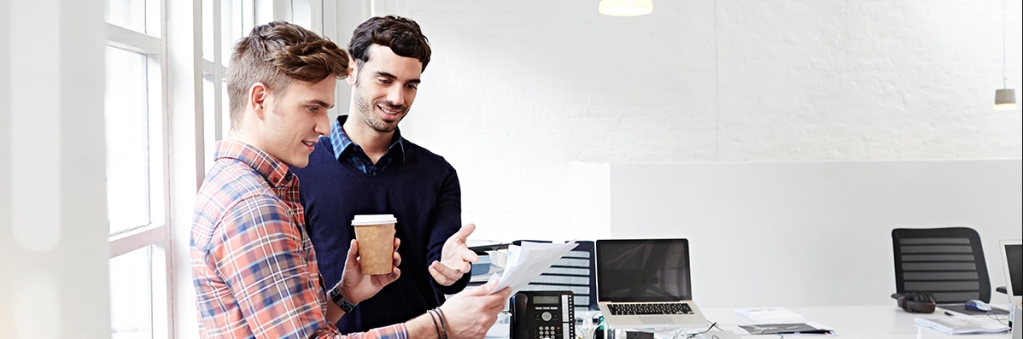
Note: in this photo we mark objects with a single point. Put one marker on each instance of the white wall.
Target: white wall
(5, 164)
(517, 90)
(53, 234)
(809, 233)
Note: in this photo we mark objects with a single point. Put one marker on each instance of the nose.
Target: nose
(322, 126)
(396, 96)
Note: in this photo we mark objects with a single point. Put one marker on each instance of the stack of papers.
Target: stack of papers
(802, 328)
(527, 262)
(962, 325)
(770, 315)
(778, 320)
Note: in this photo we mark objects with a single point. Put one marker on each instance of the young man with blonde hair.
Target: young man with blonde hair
(253, 265)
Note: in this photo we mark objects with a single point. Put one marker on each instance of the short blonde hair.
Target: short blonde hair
(275, 54)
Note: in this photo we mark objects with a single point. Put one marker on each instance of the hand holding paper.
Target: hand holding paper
(527, 262)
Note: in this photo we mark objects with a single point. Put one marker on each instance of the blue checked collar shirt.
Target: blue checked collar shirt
(349, 151)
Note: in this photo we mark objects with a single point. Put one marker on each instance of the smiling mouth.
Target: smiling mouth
(389, 111)
(309, 144)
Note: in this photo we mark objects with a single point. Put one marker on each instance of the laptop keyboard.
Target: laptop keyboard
(658, 308)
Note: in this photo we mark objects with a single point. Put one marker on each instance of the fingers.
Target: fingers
(397, 257)
(491, 302)
(495, 302)
(481, 290)
(464, 232)
(469, 256)
(444, 274)
(353, 252)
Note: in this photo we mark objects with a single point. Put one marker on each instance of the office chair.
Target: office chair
(575, 271)
(948, 263)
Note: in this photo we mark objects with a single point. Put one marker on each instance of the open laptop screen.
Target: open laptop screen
(1014, 268)
(648, 270)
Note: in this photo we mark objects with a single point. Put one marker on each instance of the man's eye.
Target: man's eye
(384, 80)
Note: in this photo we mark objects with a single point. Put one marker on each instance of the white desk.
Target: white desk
(853, 322)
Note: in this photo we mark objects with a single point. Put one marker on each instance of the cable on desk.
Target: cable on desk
(684, 331)
(595, 328)
(999, 319)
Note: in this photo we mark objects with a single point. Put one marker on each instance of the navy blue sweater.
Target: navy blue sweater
(420, 188)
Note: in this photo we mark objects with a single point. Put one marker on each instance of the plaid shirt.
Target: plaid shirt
(253, 265)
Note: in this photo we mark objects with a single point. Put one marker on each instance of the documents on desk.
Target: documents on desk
(770, 315)
(962, 324)
(788, 329)
(778, 320)
(527, 262)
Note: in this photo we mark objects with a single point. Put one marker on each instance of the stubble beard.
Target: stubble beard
(367, 111)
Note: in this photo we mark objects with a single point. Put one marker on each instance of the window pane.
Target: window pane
(207, 29)
(130, 14)
(226, 112)
(209, 118)
(231, 28)
(127, 136)
(248, 17)
(131, 305)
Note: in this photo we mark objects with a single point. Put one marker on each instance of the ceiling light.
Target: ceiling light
(1005, 98)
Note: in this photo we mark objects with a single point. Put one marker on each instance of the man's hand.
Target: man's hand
(455, 258)
(471, 313)
(357, 287)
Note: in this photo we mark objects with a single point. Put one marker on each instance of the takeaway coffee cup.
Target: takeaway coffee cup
(375, 233)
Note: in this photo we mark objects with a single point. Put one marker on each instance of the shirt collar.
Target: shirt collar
(274, 171)
(340, 141)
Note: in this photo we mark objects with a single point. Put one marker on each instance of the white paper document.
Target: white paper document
(527, 262)
(770, 315)
(962, 324)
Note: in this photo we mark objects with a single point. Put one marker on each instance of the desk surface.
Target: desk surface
(866, 322)
(853, 322)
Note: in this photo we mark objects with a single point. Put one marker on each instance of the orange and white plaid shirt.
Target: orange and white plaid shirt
(253, 264)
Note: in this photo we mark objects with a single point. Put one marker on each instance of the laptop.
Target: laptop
(645, 283)
(1012, 260)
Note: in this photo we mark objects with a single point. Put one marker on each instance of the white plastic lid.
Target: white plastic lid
(374, 219)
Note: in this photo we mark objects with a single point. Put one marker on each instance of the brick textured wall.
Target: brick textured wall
(519, 89)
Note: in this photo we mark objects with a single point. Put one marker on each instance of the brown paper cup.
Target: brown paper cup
(375, 234)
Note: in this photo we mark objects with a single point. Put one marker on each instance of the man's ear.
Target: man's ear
(351, 72)
(258, 99)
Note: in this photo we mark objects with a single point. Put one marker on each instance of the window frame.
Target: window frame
(173, 46)
(156, 234)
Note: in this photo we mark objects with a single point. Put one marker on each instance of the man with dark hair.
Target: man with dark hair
(366, 166)
(253, 264)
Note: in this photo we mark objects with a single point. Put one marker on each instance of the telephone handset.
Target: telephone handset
(542, 315)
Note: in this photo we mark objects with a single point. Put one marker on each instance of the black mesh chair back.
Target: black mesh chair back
(575, 271)
(948, 263)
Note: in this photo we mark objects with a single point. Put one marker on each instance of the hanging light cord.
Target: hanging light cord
(1004, 79)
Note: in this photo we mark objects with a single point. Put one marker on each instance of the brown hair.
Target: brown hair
(275, 54)
(402, 35)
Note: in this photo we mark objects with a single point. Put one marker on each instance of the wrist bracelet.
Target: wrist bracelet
(435, 326)
(341, 301)
(443, 322)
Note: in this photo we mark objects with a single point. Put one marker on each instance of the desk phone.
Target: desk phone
(542, 315)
